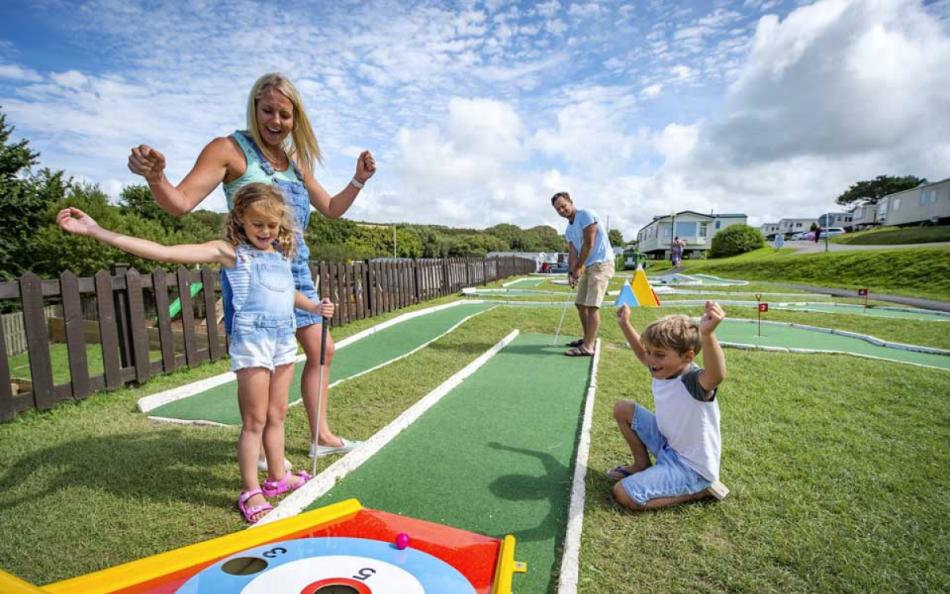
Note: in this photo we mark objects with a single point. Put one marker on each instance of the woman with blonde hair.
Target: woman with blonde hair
(279, 147)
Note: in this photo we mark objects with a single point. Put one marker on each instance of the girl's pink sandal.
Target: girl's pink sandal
(250, 512)
(274, 488)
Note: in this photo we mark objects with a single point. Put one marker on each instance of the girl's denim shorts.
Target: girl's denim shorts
(259, 340)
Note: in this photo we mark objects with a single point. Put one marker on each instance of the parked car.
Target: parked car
(810, 236)
(799, 236)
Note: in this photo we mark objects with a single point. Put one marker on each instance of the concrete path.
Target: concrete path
(810, 247)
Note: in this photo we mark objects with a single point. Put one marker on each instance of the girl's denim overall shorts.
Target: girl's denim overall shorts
(262, 295)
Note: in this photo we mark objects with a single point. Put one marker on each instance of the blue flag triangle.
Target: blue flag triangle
(626, 297)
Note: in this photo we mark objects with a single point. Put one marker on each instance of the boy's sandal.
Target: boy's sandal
(274, 488)
(618, 473)
(249, 513)
(578, 351)
(575, 343)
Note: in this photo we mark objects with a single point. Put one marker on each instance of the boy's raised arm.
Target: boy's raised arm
(633, 338)
(76, 221)
(714, 360)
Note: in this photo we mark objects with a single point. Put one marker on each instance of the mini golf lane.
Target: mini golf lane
(494, 456)
(219, 404)
(738, 332)
(897, 313)
(524, 282)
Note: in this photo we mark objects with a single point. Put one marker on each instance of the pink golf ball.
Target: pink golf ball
(402, 540)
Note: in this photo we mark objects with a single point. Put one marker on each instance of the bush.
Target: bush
(735, 240)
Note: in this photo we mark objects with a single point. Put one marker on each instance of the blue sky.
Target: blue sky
(478, 112)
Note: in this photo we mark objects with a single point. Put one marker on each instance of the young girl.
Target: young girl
(255, 256)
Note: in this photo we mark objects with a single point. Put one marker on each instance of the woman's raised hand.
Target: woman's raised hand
(147, 162)
(365, 166)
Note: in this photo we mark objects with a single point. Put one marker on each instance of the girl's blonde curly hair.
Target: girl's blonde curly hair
(265, 200)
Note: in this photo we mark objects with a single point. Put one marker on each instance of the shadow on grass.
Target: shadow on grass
(549, 486)
(166, 466)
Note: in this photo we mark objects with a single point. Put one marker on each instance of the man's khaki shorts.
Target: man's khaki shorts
(592, 285)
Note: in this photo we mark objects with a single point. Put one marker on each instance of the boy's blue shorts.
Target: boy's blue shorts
(670, 475)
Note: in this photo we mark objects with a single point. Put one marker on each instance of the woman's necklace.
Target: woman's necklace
(279, 163)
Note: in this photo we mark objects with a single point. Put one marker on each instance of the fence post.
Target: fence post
(108, 329)
(215, 351)
(75, 335)
(121, 301)
(166, 340)
(37, 339)
(187, 316)
(7, 408)
(133, 287)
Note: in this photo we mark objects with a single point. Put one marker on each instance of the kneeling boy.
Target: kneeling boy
(683, 435)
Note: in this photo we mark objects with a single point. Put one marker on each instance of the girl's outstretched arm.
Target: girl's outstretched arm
(221, 252)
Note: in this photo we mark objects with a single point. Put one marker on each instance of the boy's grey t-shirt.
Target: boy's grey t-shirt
(688, 417)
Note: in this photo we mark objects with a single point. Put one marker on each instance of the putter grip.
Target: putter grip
(323, 340)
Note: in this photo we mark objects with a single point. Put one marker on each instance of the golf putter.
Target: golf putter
(557, 331)
(315, 431)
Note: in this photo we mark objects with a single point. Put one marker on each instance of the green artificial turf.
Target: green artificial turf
(783, 336)
(494, 456)
(219, 405)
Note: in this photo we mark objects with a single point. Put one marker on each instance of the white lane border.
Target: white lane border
(154, 401)
(570, 559)
(294, 503)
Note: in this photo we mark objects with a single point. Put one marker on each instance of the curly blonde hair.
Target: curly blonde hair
(268, 201)
(679, 333)
(302, 145)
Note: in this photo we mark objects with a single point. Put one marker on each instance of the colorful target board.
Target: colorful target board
(342, 548)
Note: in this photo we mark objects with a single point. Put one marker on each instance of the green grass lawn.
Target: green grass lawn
(59, 361)
(837, 466)
(895, 235)
(917, 272)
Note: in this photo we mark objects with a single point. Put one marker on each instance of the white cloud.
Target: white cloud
(12, 71)
(837, 92)
(593, 130)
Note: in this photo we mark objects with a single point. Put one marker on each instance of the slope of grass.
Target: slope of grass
(895, 235)
(920, 272)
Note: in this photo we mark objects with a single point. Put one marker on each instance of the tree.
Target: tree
(24, 201)
(54, 250)
(875, 189)
(615, 237)
(736, 239)
(138, 200)
(29, 205)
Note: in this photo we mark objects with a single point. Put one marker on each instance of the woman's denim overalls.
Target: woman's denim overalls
(262, 295)
(296, 196)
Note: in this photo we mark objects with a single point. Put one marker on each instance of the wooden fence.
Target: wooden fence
(138, 338)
